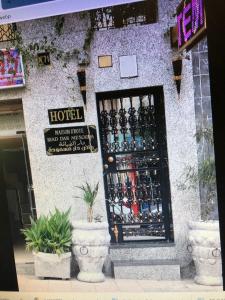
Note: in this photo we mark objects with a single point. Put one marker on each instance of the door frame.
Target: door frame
(8, 273)
(165, 187)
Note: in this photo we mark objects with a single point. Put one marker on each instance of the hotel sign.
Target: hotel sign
(191, 23)
(66, 115)
(12, 11)
(71, 140)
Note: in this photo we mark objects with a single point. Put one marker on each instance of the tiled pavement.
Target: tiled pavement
(28, 283)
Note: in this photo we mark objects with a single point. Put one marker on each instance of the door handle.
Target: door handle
(110, 159)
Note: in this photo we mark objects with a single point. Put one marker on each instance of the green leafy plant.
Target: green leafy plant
(59, 25)
(204, 175)
(88, 39)
(49, 234)
(49, 44)
(89, 196)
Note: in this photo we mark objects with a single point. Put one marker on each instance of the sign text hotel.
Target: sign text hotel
(66, 115)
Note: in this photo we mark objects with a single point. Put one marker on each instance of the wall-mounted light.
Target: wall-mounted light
(177, 71)
(83, 58)
(81, 75)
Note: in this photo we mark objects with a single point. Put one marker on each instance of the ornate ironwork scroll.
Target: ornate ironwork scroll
(139, 13)
(137, 200)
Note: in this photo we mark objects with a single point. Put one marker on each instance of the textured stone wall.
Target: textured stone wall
(55, 178)
(10, 123)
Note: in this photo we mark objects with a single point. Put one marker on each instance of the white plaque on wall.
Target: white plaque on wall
(128, 66)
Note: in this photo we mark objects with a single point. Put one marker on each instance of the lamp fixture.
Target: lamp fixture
(177, 71)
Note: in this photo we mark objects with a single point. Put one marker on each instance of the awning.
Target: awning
(12, 11)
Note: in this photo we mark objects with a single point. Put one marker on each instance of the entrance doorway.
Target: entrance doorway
(16, 177)
(134, 151)
(18, 187)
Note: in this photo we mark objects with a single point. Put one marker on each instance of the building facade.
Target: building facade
(145, 132)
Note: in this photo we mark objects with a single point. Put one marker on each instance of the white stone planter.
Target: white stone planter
(90, 247)
(204, 244)
(52, 265)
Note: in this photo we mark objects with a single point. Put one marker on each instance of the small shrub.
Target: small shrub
(204, 175)
(89, 196)
(49, 234)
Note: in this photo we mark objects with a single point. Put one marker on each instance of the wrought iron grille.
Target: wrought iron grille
(132, 130)
(139, 13)
(7, 32)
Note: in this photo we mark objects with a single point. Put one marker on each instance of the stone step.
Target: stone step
(146, 269)
(142, 251)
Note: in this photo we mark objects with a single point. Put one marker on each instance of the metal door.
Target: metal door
(134, 151)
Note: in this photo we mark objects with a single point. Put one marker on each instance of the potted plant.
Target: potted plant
(50, 238)
(204, 235)
(90, 240)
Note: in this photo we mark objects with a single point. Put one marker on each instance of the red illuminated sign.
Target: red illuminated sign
(191, 23)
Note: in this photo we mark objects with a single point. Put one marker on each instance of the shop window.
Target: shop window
(138, 13)
(7, 32)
